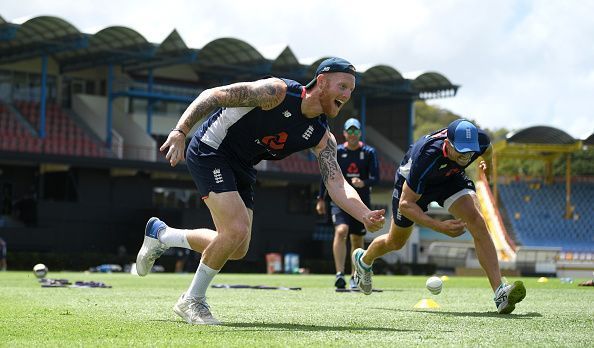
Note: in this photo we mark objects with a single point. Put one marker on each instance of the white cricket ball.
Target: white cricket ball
(434, 285)
(40, 270)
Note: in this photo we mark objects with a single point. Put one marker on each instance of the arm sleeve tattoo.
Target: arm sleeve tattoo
(327, 160)
(265, 94)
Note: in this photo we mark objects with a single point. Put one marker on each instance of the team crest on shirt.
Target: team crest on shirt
(286, 113)
(217, 175)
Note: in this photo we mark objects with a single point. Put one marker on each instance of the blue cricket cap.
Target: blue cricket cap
(464, 136)
(330, 65)
(352, 122)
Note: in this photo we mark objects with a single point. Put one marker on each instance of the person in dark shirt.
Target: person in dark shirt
(3, 264)
(359, 166)
(433, 170)
(267, 119)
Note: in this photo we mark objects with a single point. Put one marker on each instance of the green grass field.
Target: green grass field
(137, 312)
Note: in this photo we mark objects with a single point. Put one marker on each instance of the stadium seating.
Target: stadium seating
(536, 212)
(63, 135)
(14, 135)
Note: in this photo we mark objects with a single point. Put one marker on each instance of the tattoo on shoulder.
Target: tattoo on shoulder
(266, 95)
(329, 168)
(272, 95)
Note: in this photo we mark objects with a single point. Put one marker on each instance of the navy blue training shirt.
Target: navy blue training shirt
(426, 163)
(250, 134)
(360, 163)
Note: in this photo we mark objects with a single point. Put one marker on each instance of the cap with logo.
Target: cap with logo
(330, 65)
(352, 122)
(464, 136)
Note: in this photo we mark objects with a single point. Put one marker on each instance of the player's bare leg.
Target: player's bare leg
(506, 295)
(363, 259)
(339, 250)
(466, 208)
(233, 222)
(394, 240)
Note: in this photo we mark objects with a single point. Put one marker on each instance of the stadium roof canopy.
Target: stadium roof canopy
(286, 61)
(112, 45)
(230, 58)
(38, 36)
(537, 142)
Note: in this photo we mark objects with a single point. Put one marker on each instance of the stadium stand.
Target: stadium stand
(536, 212)
(63, 135)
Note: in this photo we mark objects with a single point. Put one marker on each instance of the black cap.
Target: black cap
(330, 65)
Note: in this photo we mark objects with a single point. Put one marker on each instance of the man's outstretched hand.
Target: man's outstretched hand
(374, 220)
(176, 142)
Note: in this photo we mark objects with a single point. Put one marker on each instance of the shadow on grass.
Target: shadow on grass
(290, 327)
(469, 314)
(308, 328)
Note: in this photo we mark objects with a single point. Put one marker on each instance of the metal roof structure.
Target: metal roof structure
(286, 60)
(381, 74)
(537, 142)
(112, 45)
(227, 57)
(229, 51)
(37, 36)
(432, 85)
(540, 135)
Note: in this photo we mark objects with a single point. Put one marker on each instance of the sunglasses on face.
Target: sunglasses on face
(353, 131)
(466, 154)
(462, 154)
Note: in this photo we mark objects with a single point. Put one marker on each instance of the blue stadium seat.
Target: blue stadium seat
(542, 221)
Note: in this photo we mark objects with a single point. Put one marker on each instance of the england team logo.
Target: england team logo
(218, 177)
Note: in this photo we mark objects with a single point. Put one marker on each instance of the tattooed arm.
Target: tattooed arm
(266, 94)
(343, 194)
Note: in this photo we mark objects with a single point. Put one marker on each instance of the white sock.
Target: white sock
(201, 281)
(173, 237)
(366, 266)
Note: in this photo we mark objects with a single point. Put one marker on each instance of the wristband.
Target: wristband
(179, 130)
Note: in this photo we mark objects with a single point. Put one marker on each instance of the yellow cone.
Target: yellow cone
(543, 280)
(426, 303)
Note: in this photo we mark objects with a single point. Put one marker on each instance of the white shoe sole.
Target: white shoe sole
(187, 319)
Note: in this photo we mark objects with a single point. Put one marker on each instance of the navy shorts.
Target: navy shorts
(444, 194)
(213, 171)
(340, 217)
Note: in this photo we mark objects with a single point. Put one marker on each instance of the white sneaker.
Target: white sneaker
(151, 248)
(353, 282)
(507, 295)
(362, 273)
(194, 311)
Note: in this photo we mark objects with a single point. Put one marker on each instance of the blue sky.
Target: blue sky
(519, 63)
